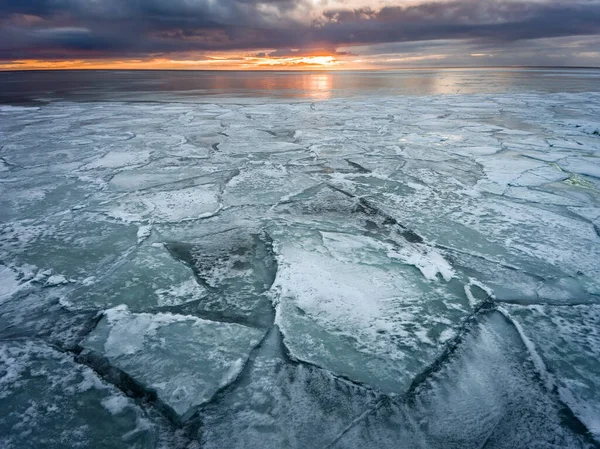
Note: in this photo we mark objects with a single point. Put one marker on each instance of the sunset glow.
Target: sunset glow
(297, 34)
(222, 62)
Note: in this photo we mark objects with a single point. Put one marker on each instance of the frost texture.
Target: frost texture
(391, 272)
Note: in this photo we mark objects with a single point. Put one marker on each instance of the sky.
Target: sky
(297, 34)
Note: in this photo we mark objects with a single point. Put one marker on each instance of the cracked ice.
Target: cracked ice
(400, 272)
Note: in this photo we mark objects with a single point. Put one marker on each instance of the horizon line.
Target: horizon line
(84, 69)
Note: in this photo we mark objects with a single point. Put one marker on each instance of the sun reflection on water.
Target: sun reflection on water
(318, 86)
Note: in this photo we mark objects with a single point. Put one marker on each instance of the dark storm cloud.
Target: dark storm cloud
(498, 20)
(104, 28)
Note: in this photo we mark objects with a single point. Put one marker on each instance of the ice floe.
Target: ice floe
(186, 360)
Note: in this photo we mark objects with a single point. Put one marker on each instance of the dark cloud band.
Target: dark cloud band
(127, 28)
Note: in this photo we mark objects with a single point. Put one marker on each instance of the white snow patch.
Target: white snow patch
(129, 331)
(56, 279)
(9, 283)
(143, 233)
(115, 404)
(189, 290)
(428, 261)
(537, 360)
(117, 159)
(7, 108)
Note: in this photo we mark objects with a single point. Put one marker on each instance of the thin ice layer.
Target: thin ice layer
(50, 401)
(39, 313)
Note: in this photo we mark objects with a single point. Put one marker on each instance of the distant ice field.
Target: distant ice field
(258, 271)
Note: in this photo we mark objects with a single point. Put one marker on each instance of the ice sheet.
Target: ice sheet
(376, 234)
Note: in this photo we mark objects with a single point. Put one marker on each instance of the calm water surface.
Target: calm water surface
(23, 87)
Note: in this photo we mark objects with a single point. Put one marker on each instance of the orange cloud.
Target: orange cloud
(294, 60)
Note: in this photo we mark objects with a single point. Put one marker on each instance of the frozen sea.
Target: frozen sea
(355, 260)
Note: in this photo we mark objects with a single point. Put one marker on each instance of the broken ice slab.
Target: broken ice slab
(223, 275)
(75, 245)
(265, 183)
(568, 340)
(32, 195)
(280, 403)
(154, 177)
(118, 159)
(318, 203)
(484, 392)
(147, 279)
(370, 184)
(506, 283)
(171, 206)
(254, 310)
(537, 195)
(236, 267)
(536, 235)
(364, 308)
(545, 240)
(328, 207)
(184, 359)
(47, 400)
(511, 168)
(539, 176)
(233, 260)
(46, 152)
(258, 142)
(588, 166)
